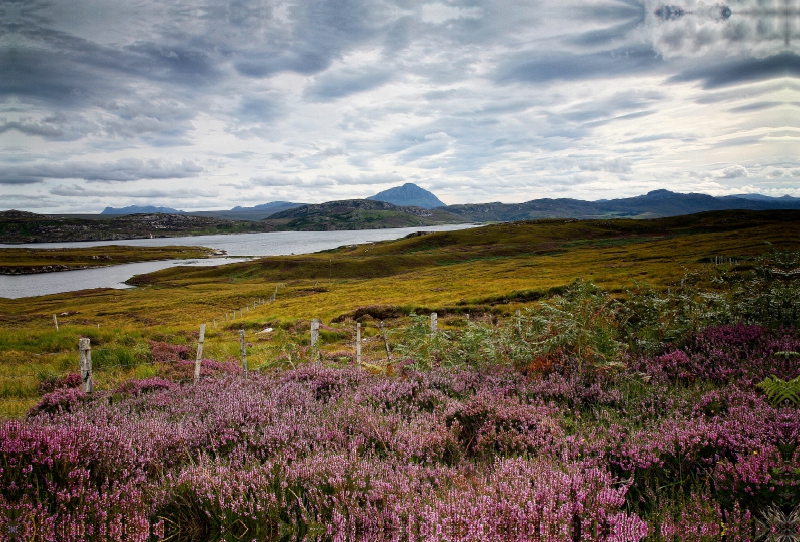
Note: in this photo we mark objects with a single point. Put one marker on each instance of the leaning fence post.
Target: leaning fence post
(85, 347)
(55, 321)
(358, 343)
(199, 352)
(434, 322)
(244, 352)
(314, 339)
(386, 342)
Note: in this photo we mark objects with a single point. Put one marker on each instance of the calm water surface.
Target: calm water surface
(256, 244)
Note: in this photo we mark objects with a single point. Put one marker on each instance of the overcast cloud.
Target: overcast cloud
(216, 103)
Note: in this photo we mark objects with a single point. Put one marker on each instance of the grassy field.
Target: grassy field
(21, 261)
(482, 273)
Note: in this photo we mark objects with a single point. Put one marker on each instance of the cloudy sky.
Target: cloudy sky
(207, 104)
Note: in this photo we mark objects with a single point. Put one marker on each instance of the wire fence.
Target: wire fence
(100, 367)
(95, 369)
(227, 316)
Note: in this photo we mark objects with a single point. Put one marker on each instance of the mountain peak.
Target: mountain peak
(409, 195)
(661, 193)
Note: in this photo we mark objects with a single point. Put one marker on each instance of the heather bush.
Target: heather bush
(162, 351)
(62, 482)
(50, 383)
(60, 400)
(743, 353)
(665, 417)
(458, 454)
(145, 385)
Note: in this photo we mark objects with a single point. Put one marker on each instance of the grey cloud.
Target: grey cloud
(441, 94)
(613, 165)
(649, 138)
(738, 141)
(33, 128)
(742, 71)
(184, 70)
(337, 85)
(756, 106)
(332, 151)
(305, 62)
(10, 177)
(281, 156)
(66, 71)
(416, 147)
(320, 32)
(535, 67)
(734, 172)
(82, 191)
(126, 169)
(273, 181)
(628, 116)
(259, 109)
(269, 181)
(367, 178)
(614, 11)
(611, 106)
(399, 35)
(167, 62)
(605, 36)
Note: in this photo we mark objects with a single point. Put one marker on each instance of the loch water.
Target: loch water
(245, 245)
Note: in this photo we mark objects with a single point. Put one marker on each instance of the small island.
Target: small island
(29, 261)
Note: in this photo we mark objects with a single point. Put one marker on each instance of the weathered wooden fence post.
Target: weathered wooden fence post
(55, 321)
(386, 342)
(85, 347)
(434, 322)
(358, 343)
(519, 323)
(244, 352)
(199, 352)
(314, 339)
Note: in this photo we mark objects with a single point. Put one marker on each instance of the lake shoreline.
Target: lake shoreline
(234, 247)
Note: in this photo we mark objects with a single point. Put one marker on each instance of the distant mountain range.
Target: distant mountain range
(654, 204)
(271, 207)
(409, 195)
(761, 197)
(24, 227)
(257, 212)
(133, 209)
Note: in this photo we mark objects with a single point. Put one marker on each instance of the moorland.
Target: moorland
(587, 380)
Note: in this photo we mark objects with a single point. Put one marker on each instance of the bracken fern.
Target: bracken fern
(780, 391)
